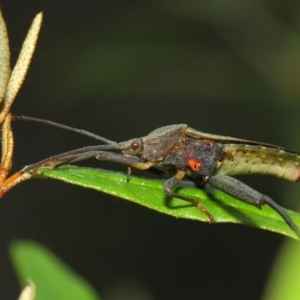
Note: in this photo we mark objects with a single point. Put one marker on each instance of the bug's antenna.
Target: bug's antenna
(62, 126)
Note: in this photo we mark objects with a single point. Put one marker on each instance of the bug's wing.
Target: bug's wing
(199, 135)
(249, 157)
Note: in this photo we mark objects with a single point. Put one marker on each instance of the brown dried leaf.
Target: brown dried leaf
(4, 58)
(19, 72)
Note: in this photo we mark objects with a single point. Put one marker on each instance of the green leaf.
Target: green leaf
(52, 278)
(284, 278)
(149, 193)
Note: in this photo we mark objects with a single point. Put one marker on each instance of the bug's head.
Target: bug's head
(132, 147)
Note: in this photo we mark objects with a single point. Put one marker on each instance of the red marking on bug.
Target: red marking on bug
(194, 164)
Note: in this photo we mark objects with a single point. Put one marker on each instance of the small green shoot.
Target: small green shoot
(52, 278)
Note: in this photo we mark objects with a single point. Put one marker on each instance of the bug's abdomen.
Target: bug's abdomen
(246, 159)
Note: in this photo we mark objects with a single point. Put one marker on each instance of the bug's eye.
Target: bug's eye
(135, 145)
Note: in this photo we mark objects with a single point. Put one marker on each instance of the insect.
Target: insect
(178, 151)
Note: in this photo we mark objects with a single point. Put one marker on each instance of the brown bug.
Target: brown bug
(179, 151)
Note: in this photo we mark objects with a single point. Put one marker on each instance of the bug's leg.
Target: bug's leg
(243, 192)
(132, 161)
(51, 162)
(161, 171)
(128, 173)
(198, 181)
(68, 157)
(168, 189)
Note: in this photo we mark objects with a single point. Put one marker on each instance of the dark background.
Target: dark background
(121, 69)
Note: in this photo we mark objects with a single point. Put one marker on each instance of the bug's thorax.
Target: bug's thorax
(155, 145)
(249, 159)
